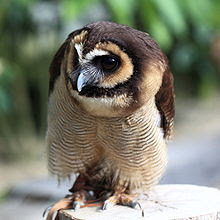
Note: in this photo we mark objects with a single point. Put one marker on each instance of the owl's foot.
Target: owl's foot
(121, 198)
(75, 201)
(62, 204)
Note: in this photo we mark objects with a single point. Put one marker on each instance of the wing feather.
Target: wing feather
(165, 103)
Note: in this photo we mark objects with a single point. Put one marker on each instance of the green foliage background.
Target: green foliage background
(185, 30)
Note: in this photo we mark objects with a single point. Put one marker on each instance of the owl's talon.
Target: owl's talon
(75, 201)
(136, 205)
(107, 205)
(77, 205)
(62, 204)
(47, 210)
(121, 198)
(133, 204)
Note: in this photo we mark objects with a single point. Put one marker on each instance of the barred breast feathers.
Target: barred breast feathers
(135, 147)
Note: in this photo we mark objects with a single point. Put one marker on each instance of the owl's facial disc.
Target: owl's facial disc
(100, 70)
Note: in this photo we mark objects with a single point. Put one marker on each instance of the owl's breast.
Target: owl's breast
(135, 150)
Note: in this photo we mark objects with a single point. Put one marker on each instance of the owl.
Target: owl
(110, 114)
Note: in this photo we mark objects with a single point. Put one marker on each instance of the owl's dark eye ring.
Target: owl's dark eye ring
(108, 63)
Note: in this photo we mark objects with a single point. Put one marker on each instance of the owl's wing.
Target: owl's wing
(165, 103)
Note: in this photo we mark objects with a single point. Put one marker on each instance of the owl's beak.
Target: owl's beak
(86, 78)
(81, 81)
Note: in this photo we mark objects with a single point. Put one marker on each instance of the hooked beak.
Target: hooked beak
(87, 77)
(81, 81)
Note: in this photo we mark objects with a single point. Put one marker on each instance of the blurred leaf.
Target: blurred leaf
(70, 9)
(4, 101)
(183, 57)
(198, 10)
(209, 81)
(7, 75)
(202, 35)
(156, 26)
(214, 15)
(123, 11)
(161, 34)
(172, 15)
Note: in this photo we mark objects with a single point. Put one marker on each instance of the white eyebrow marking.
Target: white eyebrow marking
(79, 49)
(94, 53)
(89, 56)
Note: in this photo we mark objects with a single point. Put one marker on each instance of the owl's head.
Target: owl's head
(110, 69)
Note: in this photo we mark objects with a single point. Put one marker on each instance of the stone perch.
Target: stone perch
(165, 202)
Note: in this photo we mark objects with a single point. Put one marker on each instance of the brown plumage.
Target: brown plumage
(110, 111)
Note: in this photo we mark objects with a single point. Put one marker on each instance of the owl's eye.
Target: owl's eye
(108, 63)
